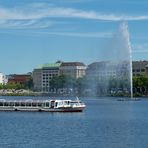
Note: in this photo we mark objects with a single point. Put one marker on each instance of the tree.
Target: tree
(140, 84)
(29, 83)
(62, 82)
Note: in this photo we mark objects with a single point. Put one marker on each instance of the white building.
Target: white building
(73, 69)
(105, 69)
(3, 79)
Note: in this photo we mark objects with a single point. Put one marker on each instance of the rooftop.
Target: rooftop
(72, 64)
(49, 65)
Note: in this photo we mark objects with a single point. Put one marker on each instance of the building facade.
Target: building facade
(44, 73)
(73, 69)
(42, 76)
(104, 69)
(140, 68)
(19, 78)
(106, 76)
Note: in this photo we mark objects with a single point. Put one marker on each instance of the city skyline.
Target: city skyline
(33, 33)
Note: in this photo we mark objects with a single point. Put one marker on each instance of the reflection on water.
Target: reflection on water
(104, 123)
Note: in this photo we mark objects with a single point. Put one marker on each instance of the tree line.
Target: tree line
(98, 87)
(89, 86)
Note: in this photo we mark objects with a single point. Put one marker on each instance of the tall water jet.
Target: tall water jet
(124, 51)
(126, 32)
(116, 66)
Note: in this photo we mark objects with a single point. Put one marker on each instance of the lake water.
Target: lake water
(105, 123)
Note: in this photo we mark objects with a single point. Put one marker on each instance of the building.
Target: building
(105, 69)
(73, 69)
(104, 76)
(3, 79)
(19, 78)
(43, 74)
(140, 68)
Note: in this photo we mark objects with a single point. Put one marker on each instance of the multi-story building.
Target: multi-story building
(140, 68)
(37, 79)
(102, 76)
(73, 69)
(3, 79)
(43, 74)
(106, 69)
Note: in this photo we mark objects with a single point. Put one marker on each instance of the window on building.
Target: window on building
(138, 70)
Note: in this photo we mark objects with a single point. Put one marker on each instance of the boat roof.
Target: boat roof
(31, 100)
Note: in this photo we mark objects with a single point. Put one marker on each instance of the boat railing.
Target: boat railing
(25, 103)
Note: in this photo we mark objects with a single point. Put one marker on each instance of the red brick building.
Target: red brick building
(19, 78)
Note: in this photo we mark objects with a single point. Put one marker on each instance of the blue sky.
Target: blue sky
(33, 32)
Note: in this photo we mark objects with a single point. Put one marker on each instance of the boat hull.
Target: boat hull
(42, 109)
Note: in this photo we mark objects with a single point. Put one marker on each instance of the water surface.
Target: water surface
(104, 123)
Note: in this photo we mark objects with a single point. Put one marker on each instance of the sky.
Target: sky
(34, 32)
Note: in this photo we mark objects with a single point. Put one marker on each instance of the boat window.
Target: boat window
(22, 103)
(6, 104)
(44, 104)
(1, 103)
(11, 103)
(60, 103)
(52, 104)
(47, 104)
(40, 104)
(16, 103)
(66, 102)
(34, 104)
(56, 104)
(28, 104)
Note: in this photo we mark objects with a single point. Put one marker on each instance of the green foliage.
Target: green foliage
(140, 81)
(29, 83)
(62, 81)
(12, 86)
(115, 83)
(140, 84)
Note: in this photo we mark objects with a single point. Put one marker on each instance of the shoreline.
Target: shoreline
(25, 92)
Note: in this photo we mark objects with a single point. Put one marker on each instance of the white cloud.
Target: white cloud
(23, 24)
(39, 11)
(44, 11)
(76, 34)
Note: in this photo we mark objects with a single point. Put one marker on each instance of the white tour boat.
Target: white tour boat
(42, 105)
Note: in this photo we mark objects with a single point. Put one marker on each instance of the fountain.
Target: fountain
(116, 66)
(124, 27)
